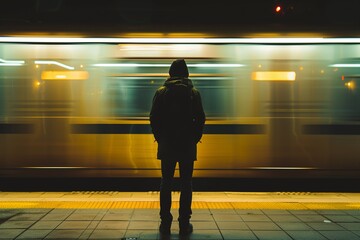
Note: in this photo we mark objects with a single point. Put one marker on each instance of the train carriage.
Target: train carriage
(275, 107)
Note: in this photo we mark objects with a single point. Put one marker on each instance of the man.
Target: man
(177, 119)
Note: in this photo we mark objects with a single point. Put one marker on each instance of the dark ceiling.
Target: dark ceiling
(182, 15)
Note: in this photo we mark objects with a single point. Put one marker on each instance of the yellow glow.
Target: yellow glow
(163, 35)
(205, 65)
(274, 76)
(189, 35)
(145, 47)
(64, 75)
(301, 68)
(143, 35)
(197, 75)
(350, 85)
(37, 83)
(37, 66)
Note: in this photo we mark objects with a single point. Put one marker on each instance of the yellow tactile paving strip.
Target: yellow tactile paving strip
(195, 205)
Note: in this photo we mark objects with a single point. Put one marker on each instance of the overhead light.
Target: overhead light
(298, 40)
(54, 63)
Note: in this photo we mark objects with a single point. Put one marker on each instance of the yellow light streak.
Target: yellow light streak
(204, 65)
(64, 75)
(274, 76)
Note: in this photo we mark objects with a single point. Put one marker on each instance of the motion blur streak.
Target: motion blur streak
(273, 76)
(11, 63)
(64, 75)
(275, 107)
(209, 65)
(289, 40)
(55, 63)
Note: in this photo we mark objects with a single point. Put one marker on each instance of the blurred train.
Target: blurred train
(275, 107)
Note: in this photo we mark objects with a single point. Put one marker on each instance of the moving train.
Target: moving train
(275, 107)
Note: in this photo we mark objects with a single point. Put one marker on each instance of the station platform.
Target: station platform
(216, 215)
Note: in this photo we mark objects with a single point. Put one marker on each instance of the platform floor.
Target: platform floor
(216, 215)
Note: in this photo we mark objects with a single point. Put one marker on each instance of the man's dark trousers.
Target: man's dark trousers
(168, 170)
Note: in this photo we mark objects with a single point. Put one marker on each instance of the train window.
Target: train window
(130, 89)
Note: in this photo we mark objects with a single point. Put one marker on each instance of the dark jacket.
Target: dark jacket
(176, 123)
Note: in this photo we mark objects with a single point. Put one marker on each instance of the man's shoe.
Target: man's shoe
(164, 229)
(185, 229)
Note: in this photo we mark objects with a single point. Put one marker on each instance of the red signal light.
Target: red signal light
(278, 9)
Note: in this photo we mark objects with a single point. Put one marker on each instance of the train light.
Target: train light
(37, 83)
(4, 62)
(216, 65)
(274, 76)
(64, 75)
(54, 63)
(350, 85)
(201, 65)
(345, 65)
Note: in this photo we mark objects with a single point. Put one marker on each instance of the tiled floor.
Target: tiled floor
(216, 223)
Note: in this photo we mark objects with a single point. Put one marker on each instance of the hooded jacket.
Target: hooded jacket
(177, 119)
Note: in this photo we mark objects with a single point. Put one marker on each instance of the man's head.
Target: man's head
(178, 68)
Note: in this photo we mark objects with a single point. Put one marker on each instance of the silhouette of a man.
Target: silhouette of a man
(177, 119)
